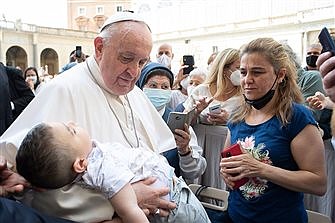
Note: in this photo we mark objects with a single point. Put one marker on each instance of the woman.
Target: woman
(221, 87)
(156, 81)
(32, 79)
(283, 149)
(196, 77)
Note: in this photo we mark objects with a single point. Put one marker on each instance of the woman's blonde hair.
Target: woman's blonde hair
(287, 91)
(220, 64)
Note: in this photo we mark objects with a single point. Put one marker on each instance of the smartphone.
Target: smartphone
(188, 60)
(326, 41)
(177, 120)
(215, 109)
(78, 51)
(234, 150)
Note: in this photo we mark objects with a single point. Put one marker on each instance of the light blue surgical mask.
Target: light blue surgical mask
(158, 97)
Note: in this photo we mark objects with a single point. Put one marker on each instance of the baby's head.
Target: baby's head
(52, 154)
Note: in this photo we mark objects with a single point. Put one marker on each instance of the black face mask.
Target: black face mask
(261, 102)
(311, 60)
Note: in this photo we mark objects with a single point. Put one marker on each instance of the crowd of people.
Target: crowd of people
(97, 134)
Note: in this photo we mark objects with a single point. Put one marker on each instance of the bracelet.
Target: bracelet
(187, 153)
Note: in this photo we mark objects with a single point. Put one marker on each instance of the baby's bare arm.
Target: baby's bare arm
(125, 205)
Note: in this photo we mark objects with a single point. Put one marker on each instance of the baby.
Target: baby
(53, 155)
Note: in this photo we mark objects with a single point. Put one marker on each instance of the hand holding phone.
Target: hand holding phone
(78, 51)
(177, 120)
(188, 60)
(215, 109)
(234, 150)
(326, 41)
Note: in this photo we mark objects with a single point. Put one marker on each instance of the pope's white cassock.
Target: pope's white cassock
(80, 95)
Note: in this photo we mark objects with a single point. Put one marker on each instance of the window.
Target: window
(99, 10)
(119, 8)
(82, 11)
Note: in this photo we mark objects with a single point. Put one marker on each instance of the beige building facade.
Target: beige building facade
(90, 15)
(28, 45)
(201, 27)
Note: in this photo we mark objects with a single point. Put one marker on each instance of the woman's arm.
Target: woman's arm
(178, 78)
(192, 163)
(308, 152)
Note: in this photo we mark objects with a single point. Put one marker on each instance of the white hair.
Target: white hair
(199, 71)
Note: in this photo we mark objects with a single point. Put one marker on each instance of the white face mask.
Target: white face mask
(190, 89)
(164, 60)
(33, 78)
(185, 82)
(235, 78)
